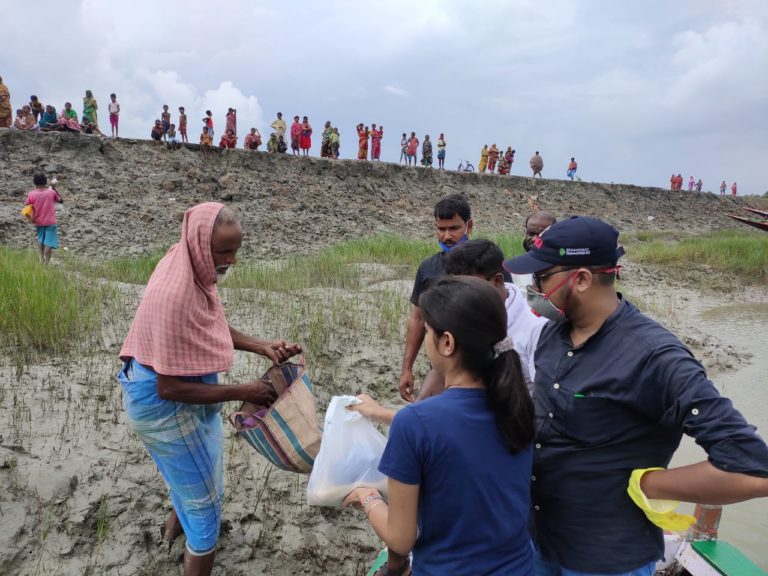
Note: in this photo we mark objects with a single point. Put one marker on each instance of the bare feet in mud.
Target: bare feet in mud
(172, 528)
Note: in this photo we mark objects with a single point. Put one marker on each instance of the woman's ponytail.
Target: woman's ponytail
(472, 310)
(510, 401)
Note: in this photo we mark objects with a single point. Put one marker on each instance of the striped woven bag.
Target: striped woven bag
(287, 433)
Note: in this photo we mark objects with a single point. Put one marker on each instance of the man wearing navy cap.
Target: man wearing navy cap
(614, 392)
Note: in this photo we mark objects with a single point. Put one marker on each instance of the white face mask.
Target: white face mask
(542, 306)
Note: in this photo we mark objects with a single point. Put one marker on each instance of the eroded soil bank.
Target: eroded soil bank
(127, 197)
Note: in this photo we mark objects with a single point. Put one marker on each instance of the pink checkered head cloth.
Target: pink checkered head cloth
(180, 328)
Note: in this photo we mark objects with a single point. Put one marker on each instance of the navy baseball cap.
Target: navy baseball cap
(577, 241)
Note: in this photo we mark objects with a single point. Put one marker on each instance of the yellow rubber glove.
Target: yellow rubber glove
(660, 512)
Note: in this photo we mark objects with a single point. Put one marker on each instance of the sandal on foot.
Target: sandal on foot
(404, 570)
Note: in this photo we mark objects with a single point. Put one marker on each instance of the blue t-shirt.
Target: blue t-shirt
(474, 496)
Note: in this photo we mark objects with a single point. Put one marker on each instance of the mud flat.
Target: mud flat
(80, 495)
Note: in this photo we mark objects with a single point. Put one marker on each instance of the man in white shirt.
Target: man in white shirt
(535, 224)
(114, 114)
(484, 259)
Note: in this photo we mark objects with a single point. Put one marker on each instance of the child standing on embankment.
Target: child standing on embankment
(43, 199)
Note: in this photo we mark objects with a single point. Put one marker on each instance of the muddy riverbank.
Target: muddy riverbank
(80, 496)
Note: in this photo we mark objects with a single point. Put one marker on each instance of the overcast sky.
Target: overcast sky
(634, 90)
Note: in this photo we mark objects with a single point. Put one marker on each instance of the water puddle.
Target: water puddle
(744, 326)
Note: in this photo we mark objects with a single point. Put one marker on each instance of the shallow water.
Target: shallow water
(744, 326)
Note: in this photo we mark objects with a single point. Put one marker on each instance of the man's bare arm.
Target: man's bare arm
(704, 484)
(413, 340)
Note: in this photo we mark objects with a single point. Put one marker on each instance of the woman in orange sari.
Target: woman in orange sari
(362, 138)
(493, 157)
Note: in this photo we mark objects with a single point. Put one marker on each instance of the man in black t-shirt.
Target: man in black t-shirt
(453, 224)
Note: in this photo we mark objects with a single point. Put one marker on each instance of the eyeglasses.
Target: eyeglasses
(537, 278)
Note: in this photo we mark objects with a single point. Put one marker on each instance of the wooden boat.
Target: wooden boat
(760, 224)
(698, 553)
(756, 211)
(701, 553)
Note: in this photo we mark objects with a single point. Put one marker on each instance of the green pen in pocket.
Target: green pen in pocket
(577, 395)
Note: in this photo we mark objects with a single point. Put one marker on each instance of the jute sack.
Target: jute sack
(287, 433)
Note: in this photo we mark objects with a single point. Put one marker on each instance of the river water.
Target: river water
(744, 326)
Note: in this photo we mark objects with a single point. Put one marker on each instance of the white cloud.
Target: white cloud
(228, 95)
(396, 90)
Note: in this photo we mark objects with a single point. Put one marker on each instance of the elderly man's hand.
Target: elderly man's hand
(279, 350)
(259, 393)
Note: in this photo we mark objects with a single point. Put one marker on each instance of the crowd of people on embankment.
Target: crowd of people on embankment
(676, 183)
(35, 116)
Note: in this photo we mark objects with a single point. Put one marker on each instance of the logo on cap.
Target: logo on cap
(574, 251)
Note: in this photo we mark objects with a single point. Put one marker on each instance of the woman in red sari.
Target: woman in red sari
(231, 121)
(376, 136)
(362, 138)
(228, 140)
(305, 140)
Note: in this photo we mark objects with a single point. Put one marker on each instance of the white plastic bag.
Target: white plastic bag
(349, 455)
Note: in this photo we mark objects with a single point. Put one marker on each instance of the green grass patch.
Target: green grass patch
(43, 309)
(652, 235)
(296, 273)
(388, 249)
(337, 266)
(726, 251)
(127, 269)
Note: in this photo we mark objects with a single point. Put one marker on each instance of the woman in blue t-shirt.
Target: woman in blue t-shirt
(459, 464)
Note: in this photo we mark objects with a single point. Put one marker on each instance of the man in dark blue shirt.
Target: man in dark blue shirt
(614, 393)
(453, 225)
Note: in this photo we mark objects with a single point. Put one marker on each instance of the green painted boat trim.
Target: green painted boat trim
(381, 559)
(727, 559)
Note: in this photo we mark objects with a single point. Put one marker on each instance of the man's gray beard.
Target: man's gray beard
(221, 276)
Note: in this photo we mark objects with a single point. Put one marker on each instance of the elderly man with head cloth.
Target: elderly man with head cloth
(178, 342)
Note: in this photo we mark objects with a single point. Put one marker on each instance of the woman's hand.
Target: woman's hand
(369, 408)
(278, 350)
(356, 497)
(259, 393)
(373, 410)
